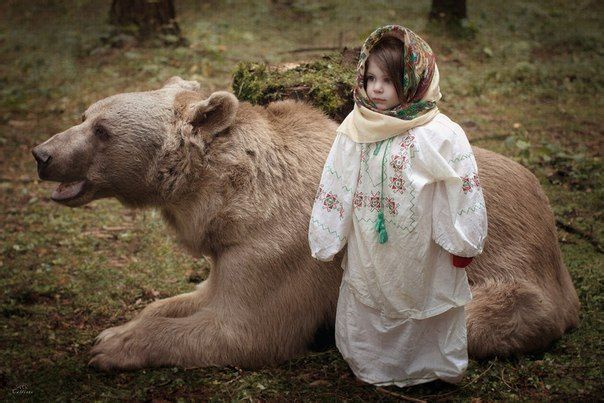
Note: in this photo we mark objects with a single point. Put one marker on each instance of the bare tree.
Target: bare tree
(449, 10)
(452, 15)
(146, 19)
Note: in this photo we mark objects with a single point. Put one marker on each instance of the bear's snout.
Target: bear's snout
(43, 158)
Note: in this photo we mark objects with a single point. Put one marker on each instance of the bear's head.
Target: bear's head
(143, 148)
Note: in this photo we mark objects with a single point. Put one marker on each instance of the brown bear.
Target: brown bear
(236, 182)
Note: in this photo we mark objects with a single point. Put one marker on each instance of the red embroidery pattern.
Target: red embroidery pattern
(397, 184)
(373, 201)
(330, 201)
(319, 192)
(392, 206)
(358, 200)
(476, 181)
(399, 162)
(408, 142)
(470, 182)
(364, 154)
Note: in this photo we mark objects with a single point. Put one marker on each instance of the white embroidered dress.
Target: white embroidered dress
(400, 313)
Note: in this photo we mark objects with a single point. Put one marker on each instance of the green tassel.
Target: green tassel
(383, 236)
(380, 221)
(380, 227)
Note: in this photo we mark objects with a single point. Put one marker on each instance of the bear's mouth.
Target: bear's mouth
(68, 191)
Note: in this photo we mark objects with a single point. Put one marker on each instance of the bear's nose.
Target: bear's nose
(42, 158)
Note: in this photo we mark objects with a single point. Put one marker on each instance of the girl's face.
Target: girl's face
(380, 87)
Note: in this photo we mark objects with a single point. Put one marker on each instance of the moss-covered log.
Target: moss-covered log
(326, 83)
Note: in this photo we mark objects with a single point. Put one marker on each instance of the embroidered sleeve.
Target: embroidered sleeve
(459, 218)
(331, 216)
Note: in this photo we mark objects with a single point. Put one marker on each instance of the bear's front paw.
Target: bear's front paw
(127, 349)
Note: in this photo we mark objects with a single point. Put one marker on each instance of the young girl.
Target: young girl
(400, 187)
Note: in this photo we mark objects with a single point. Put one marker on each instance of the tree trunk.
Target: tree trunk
(448, 10)
(146, 19)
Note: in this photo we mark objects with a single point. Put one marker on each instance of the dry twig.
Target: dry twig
(582, 234)
(464, 386)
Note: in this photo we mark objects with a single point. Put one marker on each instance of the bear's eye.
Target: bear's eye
(101, 132)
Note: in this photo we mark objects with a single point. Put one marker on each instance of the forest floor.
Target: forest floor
(528, 85)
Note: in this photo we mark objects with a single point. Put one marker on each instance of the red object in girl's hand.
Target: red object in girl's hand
(461, 262)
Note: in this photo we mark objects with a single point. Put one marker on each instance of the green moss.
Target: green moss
(250, 82)
(326, 83)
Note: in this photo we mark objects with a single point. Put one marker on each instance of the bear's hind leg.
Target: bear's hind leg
(505, 318)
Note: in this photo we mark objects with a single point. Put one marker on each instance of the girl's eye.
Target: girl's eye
(370, 78)
(387, 80)
(101, 132)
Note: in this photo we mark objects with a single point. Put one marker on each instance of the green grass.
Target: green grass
(533, 71)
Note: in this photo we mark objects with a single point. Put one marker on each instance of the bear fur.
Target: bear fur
(236, 183)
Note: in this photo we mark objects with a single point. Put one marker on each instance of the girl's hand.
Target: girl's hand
(461, 262)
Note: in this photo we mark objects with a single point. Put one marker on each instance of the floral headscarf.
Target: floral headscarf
(418, 71)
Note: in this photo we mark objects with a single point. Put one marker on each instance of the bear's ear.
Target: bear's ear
(178, 82)
(214, 114)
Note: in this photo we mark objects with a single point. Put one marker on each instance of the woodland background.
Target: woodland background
(524, 78)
